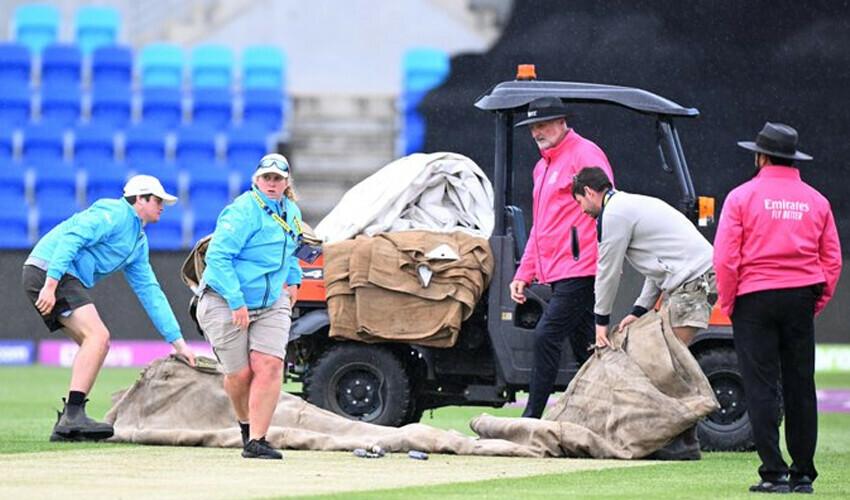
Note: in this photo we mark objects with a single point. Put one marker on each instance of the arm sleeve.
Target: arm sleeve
(140, 277)
(232, 231)
(294, 273)
(616, 234)
(89, 227)
(829, 249)
(648, 296)
(727, 254)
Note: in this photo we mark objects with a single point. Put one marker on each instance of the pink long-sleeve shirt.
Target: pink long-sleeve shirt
(775, 232)
(548, 255)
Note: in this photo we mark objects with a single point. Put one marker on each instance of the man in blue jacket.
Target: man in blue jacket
(70, 259)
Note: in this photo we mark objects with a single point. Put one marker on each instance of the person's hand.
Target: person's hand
(628, 320)
(518, 291)
(47, 297)
(183, 351)
(240, 318)
(292, 290)
(602, 336)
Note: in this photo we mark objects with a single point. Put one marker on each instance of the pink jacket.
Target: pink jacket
(775, 232)
(548, 256)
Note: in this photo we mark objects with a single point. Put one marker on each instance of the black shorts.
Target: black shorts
(70, 294)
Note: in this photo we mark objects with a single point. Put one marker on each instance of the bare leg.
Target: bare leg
(237, 385)
(265, 391)
(685, 333)
(86, 328)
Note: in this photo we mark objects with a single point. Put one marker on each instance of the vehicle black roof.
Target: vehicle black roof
(513, 95)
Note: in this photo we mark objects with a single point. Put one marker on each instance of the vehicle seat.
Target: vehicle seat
(516, 228)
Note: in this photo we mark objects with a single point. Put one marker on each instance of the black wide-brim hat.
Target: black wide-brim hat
(543, 109)
(776, 139)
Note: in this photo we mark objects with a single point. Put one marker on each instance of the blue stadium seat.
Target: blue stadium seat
(246, 144)
(44, 144)
(54, 209)
(166, 173)
(424, 68)
(205, 212)
(162, 107)
(263, 67)
(212, 107)
(263, 107)
(6, 145)
(211, 66)
(14, 222)
(161, 65)
(414, 133)
(55, 180)
(61, 64)
(96, 26)
(144, 144)
(167, 234)
(15, 65)
(13, 179)
(94, 145)
(105, 180)
(211, 184)
(111, 105)
(14, 107)
(195, 149)
(112, 65)
(36, 26)
(60, 104)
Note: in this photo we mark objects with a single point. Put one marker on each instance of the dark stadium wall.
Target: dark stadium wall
(739, 63)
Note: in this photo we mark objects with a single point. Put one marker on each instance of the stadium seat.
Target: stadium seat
(162, 107)
(263, 107)
(14, 222)
(94, 146)
(413, 132)
(7, 146)
(14, 107)
(36, 26)
(211, 184)
(106, 180)
(168, 233)
(205, 212)
(424, 68)
(144, 144)
(43, 144)
(263, 67)
(161, 65)
(211, 66)
(13, 179)
(166, 173)
(212, 107)
(112, 65)
(60, 105)
(246, 144)
(96, 26)
(54, 209)
(195, 149)
(15, 65)
(55, 180)
(111, 105)
(61, 64)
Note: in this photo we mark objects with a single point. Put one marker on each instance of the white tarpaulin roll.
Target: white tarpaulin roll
(438, 191)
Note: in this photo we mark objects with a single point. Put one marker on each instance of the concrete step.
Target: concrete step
(306, 107)
(308, 168)
(317, 199)
(344, 145)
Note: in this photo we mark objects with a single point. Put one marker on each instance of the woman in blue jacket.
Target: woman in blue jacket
(250, 283)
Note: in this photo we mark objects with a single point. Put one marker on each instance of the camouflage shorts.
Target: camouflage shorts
(690, 304)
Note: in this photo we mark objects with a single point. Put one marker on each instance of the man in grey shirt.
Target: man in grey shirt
(659, 242)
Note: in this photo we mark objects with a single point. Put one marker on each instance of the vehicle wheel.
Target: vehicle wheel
(360, 382)
(728, 428)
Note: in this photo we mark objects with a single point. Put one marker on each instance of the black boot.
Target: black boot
(73, 424)
(260, 448)
(685, 446)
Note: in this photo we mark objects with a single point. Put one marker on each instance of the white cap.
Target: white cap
(272, 163)
(139, 185)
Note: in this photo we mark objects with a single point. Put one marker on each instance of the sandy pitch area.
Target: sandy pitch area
(172, 472)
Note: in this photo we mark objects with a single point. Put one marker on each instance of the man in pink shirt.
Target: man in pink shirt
(561, 248)
(777, 259)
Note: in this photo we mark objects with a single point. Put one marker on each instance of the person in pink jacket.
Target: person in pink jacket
(561, 248)
(777, 259)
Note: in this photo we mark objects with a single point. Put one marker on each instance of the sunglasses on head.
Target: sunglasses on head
(274, 162)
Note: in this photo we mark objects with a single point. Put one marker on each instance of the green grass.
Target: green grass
(29, 396)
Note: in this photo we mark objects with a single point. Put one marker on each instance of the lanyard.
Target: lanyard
(296, 235)
(605, 199)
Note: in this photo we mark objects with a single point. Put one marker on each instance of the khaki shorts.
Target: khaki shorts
(690, 304)
(268, 331)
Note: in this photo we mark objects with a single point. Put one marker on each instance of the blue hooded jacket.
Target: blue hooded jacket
(250, 257)
(102, 239)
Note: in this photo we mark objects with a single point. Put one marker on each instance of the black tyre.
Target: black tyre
(728, 428)
(360, 382)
